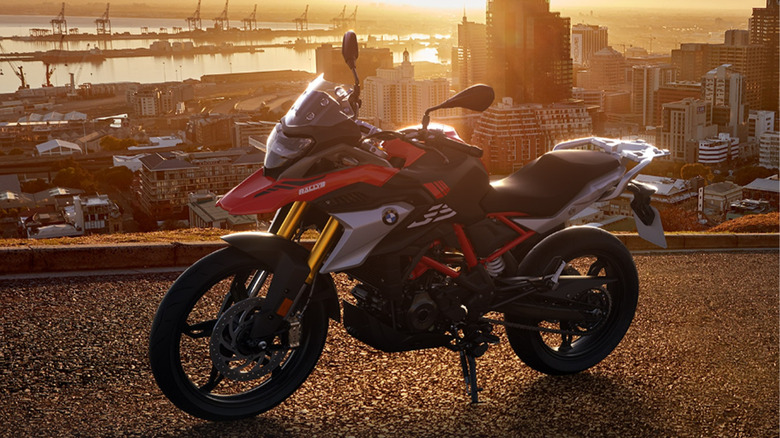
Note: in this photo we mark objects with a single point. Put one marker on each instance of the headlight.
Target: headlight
(282, 149)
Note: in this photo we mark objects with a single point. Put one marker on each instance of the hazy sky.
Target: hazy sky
(685, 4)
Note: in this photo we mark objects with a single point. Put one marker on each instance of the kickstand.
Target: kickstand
(469, 365)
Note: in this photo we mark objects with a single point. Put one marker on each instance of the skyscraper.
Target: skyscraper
(586, 40)
(529, 56)
(646, 81)
(764, 30)
(469, 57)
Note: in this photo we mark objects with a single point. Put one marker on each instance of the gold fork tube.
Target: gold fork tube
(292, 220)
(321, 247)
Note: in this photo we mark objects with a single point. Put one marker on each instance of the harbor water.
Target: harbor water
(149, 69)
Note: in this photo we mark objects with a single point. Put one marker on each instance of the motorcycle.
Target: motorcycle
(437, 253)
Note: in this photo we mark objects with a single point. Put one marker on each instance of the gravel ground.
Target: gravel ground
(700, 360)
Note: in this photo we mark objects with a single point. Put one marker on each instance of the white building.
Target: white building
(58, 147)
(96, 214)
(724, 89)
(760, 122)
(393, 98)
(684, 124)
(769, 150)
(718, 149)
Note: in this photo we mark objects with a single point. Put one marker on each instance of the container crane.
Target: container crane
(250, 22)
(222, 22)
(194, 22)
(59, 26)
(104, 23)
(302, 22)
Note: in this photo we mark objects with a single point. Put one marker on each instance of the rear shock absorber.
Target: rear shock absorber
(495, 267)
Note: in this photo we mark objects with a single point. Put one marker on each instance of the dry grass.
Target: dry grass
(183, 235)
(757, 223)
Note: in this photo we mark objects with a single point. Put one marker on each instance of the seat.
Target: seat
(544, 186)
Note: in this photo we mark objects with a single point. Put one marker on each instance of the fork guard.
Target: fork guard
(289, 263)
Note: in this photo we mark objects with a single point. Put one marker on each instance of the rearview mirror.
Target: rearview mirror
(349, 49)
(476, 98)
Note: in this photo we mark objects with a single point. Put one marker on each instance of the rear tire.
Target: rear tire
(180, 350)
(587, 251)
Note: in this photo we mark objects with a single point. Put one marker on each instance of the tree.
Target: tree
(145, 222)
(665, 168)
(693, 170)
(111, 143)
(746, 175)
(35, 186)
(120, 177)
(76, 178)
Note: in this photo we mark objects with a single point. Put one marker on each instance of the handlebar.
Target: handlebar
(439, 138)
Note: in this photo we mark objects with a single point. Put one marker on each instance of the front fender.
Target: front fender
(289, 262)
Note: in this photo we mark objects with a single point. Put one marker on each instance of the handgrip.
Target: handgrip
(443, 140)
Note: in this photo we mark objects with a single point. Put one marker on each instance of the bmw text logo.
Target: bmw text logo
(390, 216)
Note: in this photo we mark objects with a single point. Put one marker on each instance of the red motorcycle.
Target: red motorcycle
(433, 246)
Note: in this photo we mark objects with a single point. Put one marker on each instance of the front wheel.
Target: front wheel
(586, 251)
(200, 350)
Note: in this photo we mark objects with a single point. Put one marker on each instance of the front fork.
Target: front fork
(284, 299)
(323, 244)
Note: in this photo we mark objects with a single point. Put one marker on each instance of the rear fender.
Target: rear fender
(289, 262)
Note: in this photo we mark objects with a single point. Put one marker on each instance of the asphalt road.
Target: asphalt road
(701, 359)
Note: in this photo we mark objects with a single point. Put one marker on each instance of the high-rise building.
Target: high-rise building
(608, 69)
(646, 80)
(684, 124)
(746, 59)
(393, 98)
(723, 88)
(691, 61)
(529, 56)
(512, 135)
(586, 40)
(564, 121)
(674, 92)
(469, 57)
(769, 150)
(764, 30)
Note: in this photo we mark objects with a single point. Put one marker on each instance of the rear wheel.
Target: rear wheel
(586, 251)
(202, 355)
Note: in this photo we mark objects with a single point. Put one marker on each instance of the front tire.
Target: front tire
(182, 347)
(587, 251)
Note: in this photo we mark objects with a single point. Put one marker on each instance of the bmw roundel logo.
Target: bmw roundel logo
(390, 216)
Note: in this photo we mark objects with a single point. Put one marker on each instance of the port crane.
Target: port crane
(17, 69)
(250, 22)
(222, 22)
(59, 26)
(194, 22)
(104, 23)
(342, 21)
(49, 72)
(302, 22)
